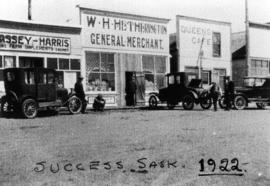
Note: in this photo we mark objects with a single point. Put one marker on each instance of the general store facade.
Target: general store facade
(29, 44)
(201, 48)
(117, 46)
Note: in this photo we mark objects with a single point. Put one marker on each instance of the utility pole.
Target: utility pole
(247, 37)
(29, 9)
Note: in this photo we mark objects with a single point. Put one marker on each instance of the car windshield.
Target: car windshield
(250, 82)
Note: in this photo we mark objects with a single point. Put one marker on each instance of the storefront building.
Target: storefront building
(257, 62)
(29, 44)
(202, 48)
(119, 46)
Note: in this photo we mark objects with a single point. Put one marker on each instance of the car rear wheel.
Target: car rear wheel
(240, 102)
(153, 102)
(74, 105)
(221, 102)
(29, 108)
(188, 102)
(261, 105)
(205, 101)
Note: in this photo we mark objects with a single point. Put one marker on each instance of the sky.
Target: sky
(65, 11)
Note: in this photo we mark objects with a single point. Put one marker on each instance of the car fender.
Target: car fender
(12, 96)
(24, 97)
(154, 94)
(194, 94)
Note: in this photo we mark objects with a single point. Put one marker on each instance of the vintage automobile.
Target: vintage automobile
(255, 89)
(31, 89)
(180, 90)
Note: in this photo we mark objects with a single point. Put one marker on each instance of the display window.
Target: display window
(9, 61)
(216, 44)
(62, 65)
(100, 72)
(154, 68)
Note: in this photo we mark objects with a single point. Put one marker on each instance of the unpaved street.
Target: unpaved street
(137, 147)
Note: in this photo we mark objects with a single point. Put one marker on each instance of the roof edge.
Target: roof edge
(202, 20)
(124, 15)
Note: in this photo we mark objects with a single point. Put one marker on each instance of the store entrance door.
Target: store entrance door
(31, 62)
(135, 88)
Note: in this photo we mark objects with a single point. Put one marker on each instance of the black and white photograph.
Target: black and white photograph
(134, 93)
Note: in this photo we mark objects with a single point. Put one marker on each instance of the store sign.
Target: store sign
(33, 43)
(124, 34)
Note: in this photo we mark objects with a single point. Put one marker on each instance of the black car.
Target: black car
(30, 89)
(180, 90)
(255, 89)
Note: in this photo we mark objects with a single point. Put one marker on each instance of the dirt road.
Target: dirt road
(138, 147)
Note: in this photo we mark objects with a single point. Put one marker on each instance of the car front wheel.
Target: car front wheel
(29, 108)
(74, 105)
(221, 102)
(240, 102)
(188, 102)
(205, 101)
(153, 102)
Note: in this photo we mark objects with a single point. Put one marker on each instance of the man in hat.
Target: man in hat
(78, 88)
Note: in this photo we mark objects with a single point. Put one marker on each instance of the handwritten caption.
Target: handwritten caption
(142, 165)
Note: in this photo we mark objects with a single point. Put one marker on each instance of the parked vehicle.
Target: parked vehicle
(179, 90)
(255, 89)
(30, 89)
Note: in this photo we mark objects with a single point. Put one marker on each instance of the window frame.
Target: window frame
(155, 73)
(100, 72)
(214, 44)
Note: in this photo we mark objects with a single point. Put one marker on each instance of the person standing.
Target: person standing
(229, 93)
(214, 94)
(131, 92)
(78, 88)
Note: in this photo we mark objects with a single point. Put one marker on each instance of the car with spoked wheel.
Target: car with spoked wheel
(28, 90)
(255, 90)
(179, 89)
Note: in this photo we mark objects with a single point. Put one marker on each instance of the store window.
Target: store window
(100, 71)
(52, 63)
(9, 61)
(63, 64)
(75, 64)
(206, 77)
(216, 44)
(154, 68)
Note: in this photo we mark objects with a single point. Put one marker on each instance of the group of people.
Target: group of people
(99, 101)
(215, 92)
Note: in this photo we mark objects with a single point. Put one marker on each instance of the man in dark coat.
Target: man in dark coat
(99, 103)
(214, 94)
(229, 93)
(78, 88)
(131, 92)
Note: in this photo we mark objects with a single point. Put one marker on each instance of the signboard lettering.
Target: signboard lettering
(117, 33)
(34, 43)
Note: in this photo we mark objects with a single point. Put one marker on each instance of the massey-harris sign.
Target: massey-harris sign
(124, 34)
(33, 43)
